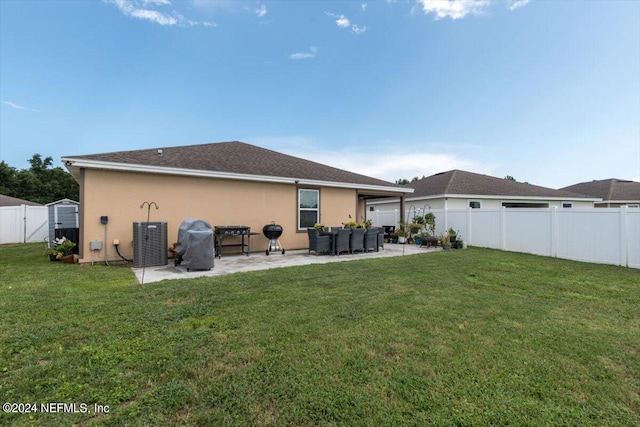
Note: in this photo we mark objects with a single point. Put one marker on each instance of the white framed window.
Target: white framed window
(308, 208)
(567, 205)
(475, 204)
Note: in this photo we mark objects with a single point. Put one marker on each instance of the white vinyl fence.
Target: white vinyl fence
(24, 224)
(599, 235)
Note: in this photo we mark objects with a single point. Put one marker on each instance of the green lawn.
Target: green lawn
(471, 337)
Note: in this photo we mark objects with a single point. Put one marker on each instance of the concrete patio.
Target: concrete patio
(259, 261)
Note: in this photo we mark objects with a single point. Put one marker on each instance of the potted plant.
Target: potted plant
(394, 237)
(452, 235)
(430, 222)
(445, 241)
(402, 236)
(64, 250)
(414, 227)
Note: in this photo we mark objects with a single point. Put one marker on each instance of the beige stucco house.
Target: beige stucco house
(226, 183)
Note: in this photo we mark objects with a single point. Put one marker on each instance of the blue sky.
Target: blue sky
(545, 91)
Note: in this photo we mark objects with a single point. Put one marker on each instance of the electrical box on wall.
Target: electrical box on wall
(104, 219)
(95, 245)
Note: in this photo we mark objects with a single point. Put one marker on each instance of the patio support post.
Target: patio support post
(401, 206)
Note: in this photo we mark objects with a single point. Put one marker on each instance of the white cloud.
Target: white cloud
(516, 4)
(156, 2)
(391, 166)
(261, 11)
(363, 6)
(355, 29)
(454, 9)
(18, 107)
(344, 22)
(146, 10)
(305, 55)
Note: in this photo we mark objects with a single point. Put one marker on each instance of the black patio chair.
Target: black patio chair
(371, 240)
(318, 244)
(388, 229)
(357, 240)
(342, 240)
(380, 238)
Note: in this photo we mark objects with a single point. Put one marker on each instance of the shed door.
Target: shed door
(66, 216)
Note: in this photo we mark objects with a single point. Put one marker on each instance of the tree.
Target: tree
(7, 178)
(402, 181)
(40, 183)
(510, 178)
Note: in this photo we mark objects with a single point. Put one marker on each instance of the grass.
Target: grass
(473, 337)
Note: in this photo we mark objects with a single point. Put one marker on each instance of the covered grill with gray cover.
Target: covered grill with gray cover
(195, 245)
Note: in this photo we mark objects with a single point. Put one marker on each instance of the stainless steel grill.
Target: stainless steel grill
(222, 233)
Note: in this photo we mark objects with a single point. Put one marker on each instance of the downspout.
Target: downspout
(80, 215)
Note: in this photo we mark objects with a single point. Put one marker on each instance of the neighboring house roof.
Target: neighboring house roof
(12, 201)
(461, 183)
(231, 160)
(609, 190)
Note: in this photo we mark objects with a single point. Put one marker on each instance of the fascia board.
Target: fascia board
(94, 164)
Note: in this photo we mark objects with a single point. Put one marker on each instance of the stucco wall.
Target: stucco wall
(220, 202)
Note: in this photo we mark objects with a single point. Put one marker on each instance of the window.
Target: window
(308, 208)
(567, 205)
(524, 205)
(475, 204)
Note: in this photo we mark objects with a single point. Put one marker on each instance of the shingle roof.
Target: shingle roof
(468, 183)
(608, 189)
(236, 158)
(12, 201)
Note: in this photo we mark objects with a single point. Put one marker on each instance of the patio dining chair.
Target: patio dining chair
(388, 229)
(357, 240)
(371, 240)
(318, 244)
(380, 238)
(342, 241)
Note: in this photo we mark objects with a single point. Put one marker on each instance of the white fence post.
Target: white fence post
(469, 233)
(624, 259)
(553, 228)
(503, 226)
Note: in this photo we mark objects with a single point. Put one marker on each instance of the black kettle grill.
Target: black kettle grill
(273, 232)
